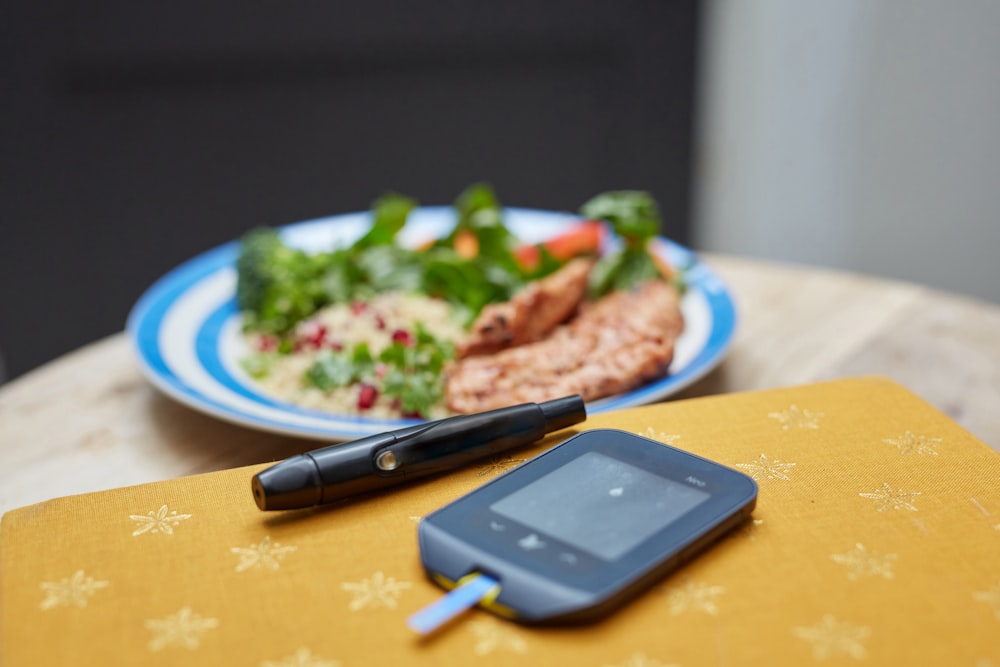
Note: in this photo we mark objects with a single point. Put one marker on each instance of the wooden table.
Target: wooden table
(90, 420)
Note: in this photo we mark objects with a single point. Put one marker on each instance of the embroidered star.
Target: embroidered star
(861, 563)
(831, 639)
(181, 630)
(302, 658)
(887, 498)
(908, 443)
(70, 591)
(990, 597)
(498, 465)
(750, 527)
(796, 417)
(986, 512)
(160, 521)
(763, 467)
(491, 637)
(661, 436)
(376, 591)
(640, 659)
(695, 597)
(265, 555)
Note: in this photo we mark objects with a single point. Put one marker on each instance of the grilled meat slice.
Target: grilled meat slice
(531, 314)
(613, 345)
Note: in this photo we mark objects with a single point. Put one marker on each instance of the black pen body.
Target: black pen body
(380, 461)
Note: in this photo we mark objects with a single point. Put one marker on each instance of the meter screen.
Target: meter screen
(600, 504)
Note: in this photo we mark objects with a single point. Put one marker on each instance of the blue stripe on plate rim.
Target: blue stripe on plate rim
(147, 317)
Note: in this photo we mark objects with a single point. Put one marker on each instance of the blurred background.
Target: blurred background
(854, 134)
(136, 135)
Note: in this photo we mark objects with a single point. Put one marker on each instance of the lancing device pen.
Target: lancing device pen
(383, 460)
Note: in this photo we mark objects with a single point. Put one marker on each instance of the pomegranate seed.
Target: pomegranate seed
(397, 404)
(313, 334)
(379, 322)
(267, 343)
(336, 345)
(358, 307)
(402, 336)
(367, 396)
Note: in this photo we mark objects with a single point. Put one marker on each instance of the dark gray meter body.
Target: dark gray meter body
(578, 530)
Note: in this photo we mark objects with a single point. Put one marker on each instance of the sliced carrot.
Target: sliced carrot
(466, 244)
(582, 239)
(528, 257)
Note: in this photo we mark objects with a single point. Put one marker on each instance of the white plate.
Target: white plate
(186, 327)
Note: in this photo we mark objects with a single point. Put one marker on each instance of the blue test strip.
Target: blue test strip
(436, 614)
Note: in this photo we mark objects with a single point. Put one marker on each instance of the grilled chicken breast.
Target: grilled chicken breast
(531, 314)
(613, 345)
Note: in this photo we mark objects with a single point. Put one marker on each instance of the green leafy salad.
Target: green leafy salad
(369, 328)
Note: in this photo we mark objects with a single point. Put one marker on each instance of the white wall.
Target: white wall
(856, 134)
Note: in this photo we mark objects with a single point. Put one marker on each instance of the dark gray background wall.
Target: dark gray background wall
(136, 135)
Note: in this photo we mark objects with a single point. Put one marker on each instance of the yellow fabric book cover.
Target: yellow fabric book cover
(876, 540)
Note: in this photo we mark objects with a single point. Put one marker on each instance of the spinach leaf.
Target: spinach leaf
(389, 214)
(635, 218)
(632, 214)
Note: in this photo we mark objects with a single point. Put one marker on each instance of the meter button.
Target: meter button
(568, 557)
(531, 543)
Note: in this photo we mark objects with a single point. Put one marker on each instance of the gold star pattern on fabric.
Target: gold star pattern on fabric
(661, 436)
(640, 659)
(863, 563)
(831, 638)
(498, 465)
(990, 597)
(765, 468)
(986, 512)
(491, 637)
(376, 591)
(301, 658)
(161, 521)
(796, 418)
(264, 556)
(181, 630)
(888, 498)
(908, 443)
(74, 591)
(749, 528)
(691, 596)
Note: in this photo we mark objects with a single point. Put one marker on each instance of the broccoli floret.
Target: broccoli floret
(277, 285)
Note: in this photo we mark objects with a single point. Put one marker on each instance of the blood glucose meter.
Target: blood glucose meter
(578, 530)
